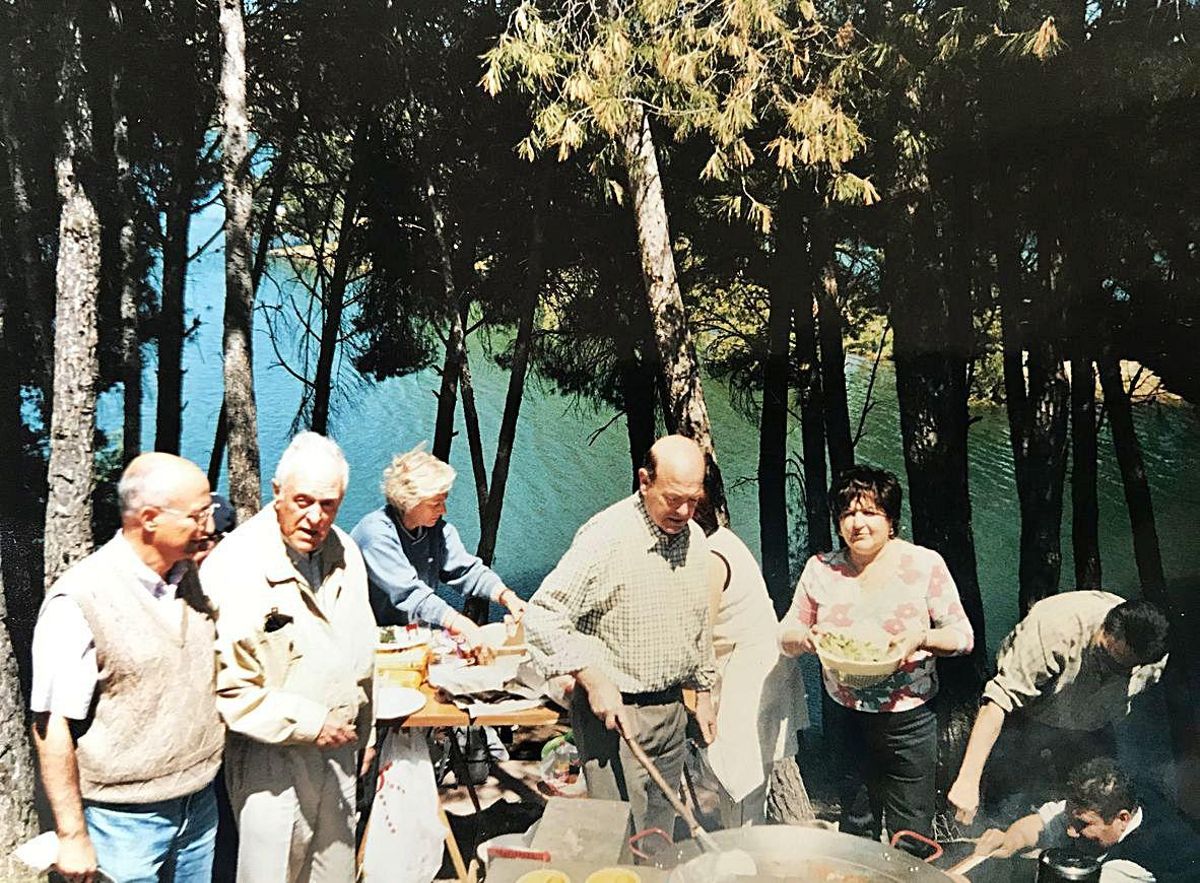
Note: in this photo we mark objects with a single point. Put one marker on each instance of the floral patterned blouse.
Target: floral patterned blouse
(921, 594)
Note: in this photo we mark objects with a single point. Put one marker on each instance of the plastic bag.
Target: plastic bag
(561, 768)
(404, 838)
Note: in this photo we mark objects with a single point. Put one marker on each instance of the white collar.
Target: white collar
(156, 585)
(1134, 821)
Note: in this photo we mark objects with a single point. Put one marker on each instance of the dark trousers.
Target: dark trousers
(895, 756)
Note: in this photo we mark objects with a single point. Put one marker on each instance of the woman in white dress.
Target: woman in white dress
(759, 694)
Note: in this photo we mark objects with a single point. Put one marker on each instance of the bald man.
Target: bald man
(125, 717)
(625, 614)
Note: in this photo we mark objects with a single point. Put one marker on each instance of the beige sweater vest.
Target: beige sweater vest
(153, 732)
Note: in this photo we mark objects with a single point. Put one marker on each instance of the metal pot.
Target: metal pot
(1067, 866)
(795, 852)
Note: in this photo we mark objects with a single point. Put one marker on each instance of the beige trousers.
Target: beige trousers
(295, 811)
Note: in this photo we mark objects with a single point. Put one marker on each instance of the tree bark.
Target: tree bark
(239, 407)
(278, 170)
(34, 275)
(335, 298)
(637, 361)
(447, 396)
(931, 346)
(18, 817)
(184, 171)
(1082, 307)
(169, 409)
(130, 289)
(812, 416)
(489, 528)
(639, 394)
(830, 325)
(1085, 504)
(1035, 385)
(686, 411)
(1133, 478)
(474, 437)
(787, 275)
(68, 535)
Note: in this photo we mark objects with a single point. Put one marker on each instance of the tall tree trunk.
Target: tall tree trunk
(266, 235)
(169, 413)
(34, 273)
(477, 609)
(447, 396)
(638, 368)
(1037, 392)
(175, 253)
(931, 345)
(130, 288)
(1083, 289)
(830, 326)
(1085, 504)
(18, 817)
(1133, 477)
(786, 277)
(639, 395)
(1178, 679)
(68, 535)
(474, 438)
(238, 407)
(687, 413)
(534, 271)
(812, 415)
(335, 296)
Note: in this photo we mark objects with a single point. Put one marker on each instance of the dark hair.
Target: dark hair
(1141, 626)
(1099, 786)
(650, 464)
(224, 516)
(859, 481)
(705, 515)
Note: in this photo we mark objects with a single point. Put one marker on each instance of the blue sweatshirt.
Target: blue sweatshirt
(405, 569)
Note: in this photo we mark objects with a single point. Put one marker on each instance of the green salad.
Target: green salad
(855, 649)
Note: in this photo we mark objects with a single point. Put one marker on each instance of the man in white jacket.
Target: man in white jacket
(295, 647)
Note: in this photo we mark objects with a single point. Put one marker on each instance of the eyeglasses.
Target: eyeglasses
(199, 516)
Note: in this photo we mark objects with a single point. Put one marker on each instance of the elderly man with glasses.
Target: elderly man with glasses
(125, 718)
(296, 652)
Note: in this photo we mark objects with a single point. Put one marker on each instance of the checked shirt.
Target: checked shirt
(630, 599)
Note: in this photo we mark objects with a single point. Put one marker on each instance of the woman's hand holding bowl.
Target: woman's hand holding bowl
(906, 644)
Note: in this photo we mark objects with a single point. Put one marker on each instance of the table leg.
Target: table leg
(458, 762)
(456, 858)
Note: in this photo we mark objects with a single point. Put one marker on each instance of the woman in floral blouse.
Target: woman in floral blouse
(888, 731)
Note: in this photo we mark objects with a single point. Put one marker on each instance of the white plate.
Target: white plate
(403, 638)
(395, 702)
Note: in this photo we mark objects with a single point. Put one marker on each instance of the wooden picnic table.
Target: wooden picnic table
(439, 713)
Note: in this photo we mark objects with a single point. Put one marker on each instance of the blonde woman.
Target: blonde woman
(410, 550)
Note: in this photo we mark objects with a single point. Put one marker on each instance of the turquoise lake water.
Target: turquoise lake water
(558, 480)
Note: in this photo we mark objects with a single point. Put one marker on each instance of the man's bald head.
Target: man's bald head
(166, 509)
(676, 454)
(672, 482)
(154, 478)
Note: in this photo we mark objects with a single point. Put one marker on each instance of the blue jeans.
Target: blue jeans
(171, 840)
